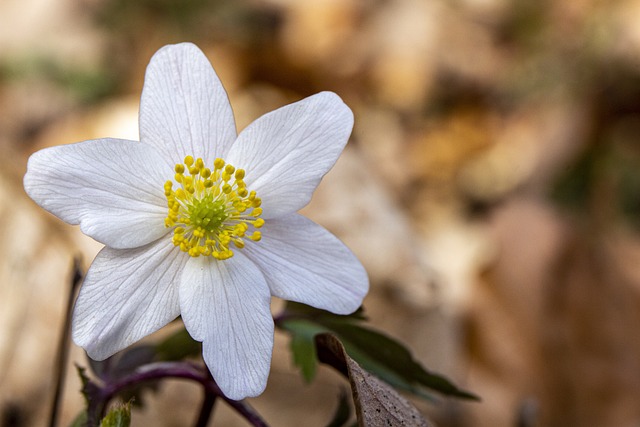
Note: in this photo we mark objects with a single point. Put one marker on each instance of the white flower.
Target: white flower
(201, 222)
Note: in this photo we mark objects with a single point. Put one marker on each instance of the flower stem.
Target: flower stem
(63, 345)
(160, 370)
(206, 409)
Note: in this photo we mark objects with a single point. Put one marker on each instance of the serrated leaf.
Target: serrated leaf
(377, 404)
(90, 390)
(343, 411)
(123, 364)
(92, 396)
(84, 380)
(118, 417)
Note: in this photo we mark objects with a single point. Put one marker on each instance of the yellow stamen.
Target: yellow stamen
(211, 209)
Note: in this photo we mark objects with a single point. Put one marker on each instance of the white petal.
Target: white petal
(127, 295)
(184, 110)
(225, 304)
(113, 188)
(305, 263)
(287, 152)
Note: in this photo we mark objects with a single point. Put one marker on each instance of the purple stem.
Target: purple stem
(206, 409)
(184, 370)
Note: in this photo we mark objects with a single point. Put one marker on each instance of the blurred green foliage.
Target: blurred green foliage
(603, 181)
(238, 20)
(84, 84)
(375, 352)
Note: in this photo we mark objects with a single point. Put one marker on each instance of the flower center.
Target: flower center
(211, 209)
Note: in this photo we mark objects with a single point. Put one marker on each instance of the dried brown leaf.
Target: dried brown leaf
(377, 403)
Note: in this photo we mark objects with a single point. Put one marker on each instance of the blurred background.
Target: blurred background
(491, 187)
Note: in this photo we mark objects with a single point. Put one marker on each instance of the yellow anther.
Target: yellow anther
(208, 211)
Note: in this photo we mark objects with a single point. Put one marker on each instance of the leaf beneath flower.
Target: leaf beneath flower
(375, 352)
(177, 346)
(303, 347)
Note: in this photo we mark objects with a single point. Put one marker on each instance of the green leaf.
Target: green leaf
(84, 380)
(93, 399)
(118, 417)
(303, 347)
(299, 310)
(178, 346)
(303, 332)
(374, 351)
(392, 362)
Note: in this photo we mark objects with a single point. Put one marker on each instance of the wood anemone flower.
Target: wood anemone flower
(201, 222)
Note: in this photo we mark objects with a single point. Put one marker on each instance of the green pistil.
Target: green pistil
(207, 213)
